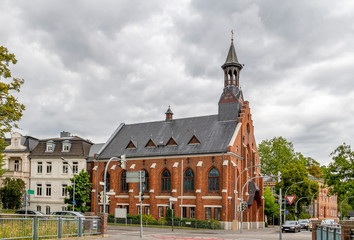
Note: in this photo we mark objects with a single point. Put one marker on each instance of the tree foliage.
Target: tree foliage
(10, 109)
(339, 174)
(82, 192)
(270, 207)
(274, 154)
(12, 193)
(293, 173)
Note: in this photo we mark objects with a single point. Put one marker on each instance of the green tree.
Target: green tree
(10, 109)
(293, 173)
(274, 154)
(339, 174)
(12, 193)
(82, 192)
(271, 209)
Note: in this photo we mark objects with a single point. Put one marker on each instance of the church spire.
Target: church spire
(231, 66)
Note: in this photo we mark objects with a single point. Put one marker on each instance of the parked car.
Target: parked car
(29, 212)
(291, 226)
(304, 223)
(68, 214)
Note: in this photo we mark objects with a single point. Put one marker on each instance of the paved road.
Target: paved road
(130, 233)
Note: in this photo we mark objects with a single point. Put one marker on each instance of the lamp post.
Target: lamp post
(123, 164)
(341, 205)
(74, 181)
(285, 196)
(296, 204)
(236, 186)
(242, 196)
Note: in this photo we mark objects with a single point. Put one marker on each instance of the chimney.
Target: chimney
(169, 114)
(64, 134)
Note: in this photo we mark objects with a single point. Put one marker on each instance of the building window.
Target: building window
(217, 213)
(189, 181)
(123, 182)
(64, 190)
(16, 142)
(146, 181)
(39, 189)
(192, 212)
(48, 190)
(161, 212)
(147, 210)
(138, 210)
(108, 182)
(49, 167)
(213, 180)
(165, 181)
(50, 146)
(39, 208)
(39, 167)
(184, 212)
(17, 166)
(207, 213)
(75, 167)
(47, 210)
(127, 207)
(65, 167)
(66, 146)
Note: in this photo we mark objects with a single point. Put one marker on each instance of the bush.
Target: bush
(215, 224)
(162, 221)
(149, 219)
(304, 216)
(266, 224)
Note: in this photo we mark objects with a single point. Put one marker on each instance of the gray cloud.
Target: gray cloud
(90, 65)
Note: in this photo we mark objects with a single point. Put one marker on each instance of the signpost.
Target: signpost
(29, 191)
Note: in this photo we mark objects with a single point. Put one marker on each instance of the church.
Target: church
(203, 162)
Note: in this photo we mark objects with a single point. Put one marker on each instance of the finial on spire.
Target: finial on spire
(232, 35)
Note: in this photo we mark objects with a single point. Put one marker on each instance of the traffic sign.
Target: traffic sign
(74, 202)
(30, 191)
(286, 212)
(172, 199)
(290, 199)
(135, 177)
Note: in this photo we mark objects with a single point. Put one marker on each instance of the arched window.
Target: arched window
(165, 181)
(108, 181)
(146, 181)
(213, 180)
(188, 181)
(123, 182)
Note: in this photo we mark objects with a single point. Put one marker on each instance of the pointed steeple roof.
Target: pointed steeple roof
(231, 58)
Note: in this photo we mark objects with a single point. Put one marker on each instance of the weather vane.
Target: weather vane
(232, 35)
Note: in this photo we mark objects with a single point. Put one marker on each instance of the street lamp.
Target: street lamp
(285, 196)
(236, 186)
(122, 161)
(74, 181)
(296, 204)
(341, 205)
(242, 196)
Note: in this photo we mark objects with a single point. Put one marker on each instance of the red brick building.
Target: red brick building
(196, 160)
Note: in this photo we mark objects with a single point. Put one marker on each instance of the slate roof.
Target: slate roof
(95, 148)
(79, 147)
(231, 58)
(214, 137)
(29, 142)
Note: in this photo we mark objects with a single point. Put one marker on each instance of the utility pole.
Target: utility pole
(280, 222)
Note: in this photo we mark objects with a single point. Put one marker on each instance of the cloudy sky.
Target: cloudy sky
(90, 65)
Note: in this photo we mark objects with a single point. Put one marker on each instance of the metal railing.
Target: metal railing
(20, 226)
(327, 232)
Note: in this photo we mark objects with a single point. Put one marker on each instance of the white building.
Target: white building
(50, 174)
(17, 160)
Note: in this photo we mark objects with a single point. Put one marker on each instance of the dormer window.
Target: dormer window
(131, 145)
(16, 142)
(150, 144)
(50, 146)
(66, 146)
(171, 142)
(194, 140)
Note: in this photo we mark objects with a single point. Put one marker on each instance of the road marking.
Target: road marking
(191, 238)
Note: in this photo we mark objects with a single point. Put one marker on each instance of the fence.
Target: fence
(187, 224)
(19, 226)
(326, 232)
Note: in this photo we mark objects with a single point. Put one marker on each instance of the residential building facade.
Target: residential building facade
(17, 156)
(53, 162)
(195, 160)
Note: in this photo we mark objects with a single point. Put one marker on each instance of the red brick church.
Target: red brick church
(195, 160)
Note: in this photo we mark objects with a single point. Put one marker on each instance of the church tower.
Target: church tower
(231, 99)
